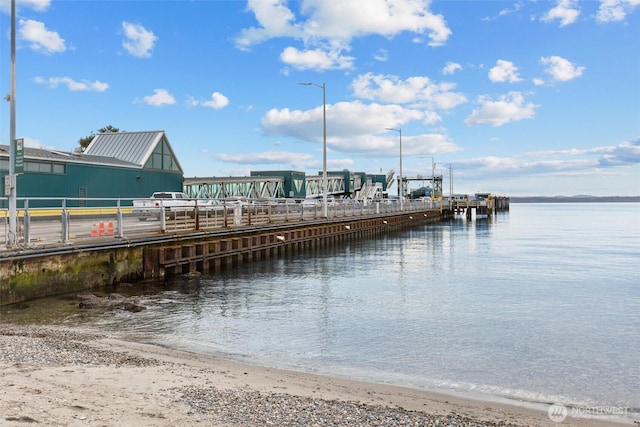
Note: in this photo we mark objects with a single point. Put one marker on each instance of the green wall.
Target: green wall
(98, 181)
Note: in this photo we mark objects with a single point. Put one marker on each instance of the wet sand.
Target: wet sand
(64, 376)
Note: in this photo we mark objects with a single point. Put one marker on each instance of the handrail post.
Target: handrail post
(197, 215)
(163, 220)
(65, 222)
(119, 221)
(27, 222)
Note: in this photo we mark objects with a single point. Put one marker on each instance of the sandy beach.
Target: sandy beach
(59, 376)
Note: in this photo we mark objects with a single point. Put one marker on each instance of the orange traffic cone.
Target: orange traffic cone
(94, 230)
(101, 228)
(110, 227)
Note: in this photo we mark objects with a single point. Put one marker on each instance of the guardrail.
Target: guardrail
(65, 221)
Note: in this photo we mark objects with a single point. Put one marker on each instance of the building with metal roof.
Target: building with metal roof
(114, 165)
(147, 150)
(128, 165)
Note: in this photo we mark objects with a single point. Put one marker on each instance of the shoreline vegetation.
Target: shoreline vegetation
(68, 376)
(575, 199)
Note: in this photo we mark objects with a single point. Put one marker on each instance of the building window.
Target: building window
(37, 167)
(162, 158)
(44, 167)
(40, 167)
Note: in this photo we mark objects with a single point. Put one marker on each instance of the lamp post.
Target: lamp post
(400, 183)
(12, 238)
(325, 184)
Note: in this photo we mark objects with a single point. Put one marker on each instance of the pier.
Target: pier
(483, 205)
(247, 245)
(99, 248)
(140, 250)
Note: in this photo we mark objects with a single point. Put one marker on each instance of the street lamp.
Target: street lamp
(325, 184)
(400, 183)
(12, 240)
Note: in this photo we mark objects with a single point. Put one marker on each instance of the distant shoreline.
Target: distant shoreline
(575, 199)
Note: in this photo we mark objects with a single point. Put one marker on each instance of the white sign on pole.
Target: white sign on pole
(7, 185)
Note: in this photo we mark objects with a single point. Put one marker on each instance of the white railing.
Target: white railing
(51, 222)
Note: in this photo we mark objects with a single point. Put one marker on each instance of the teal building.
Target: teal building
(114, 165)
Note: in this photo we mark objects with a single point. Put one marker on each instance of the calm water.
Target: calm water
(540, 304)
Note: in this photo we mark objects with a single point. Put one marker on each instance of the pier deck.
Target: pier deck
(105, 256)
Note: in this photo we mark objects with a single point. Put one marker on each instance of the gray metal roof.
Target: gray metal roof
(133, 147)
(65, 157)
(125, 149)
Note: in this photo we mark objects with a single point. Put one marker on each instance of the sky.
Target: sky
(516, 98)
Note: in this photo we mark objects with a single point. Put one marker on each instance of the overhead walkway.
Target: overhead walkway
(256, 187)
(279, 184)
(252, 187)
(335, 185)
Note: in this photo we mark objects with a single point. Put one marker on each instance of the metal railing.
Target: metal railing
(57, 222)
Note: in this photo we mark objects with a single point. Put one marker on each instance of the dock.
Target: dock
(482, 206)
(101, 252)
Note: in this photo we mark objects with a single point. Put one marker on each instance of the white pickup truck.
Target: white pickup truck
(174, 204)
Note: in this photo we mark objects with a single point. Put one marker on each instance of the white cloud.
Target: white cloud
(381, 55)
(451, 67)
(628, 152)
(268, 157)
(625, 153)
(289, 160)
(504, 71)
(217, 102)
(54, 82)
(508, 108)
(504, 12)
(565, 10)
(316, 59)
(419, 89)
(32, 143)
(615, 10)
(516, 7)
(561, 69)
(331, 26)
(40, 38)
(191, 102)
(138, 40)
(342, 21)
(159, 98)
(37, 5)
(354, 127)
(275, 20)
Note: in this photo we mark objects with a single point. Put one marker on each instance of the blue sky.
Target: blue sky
(517, 97)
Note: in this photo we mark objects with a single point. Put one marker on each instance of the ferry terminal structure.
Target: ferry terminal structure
(126, 165)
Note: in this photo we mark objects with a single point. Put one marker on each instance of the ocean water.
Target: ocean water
(540, 304)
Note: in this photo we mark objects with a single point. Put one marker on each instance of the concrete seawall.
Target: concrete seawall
(30, 275)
